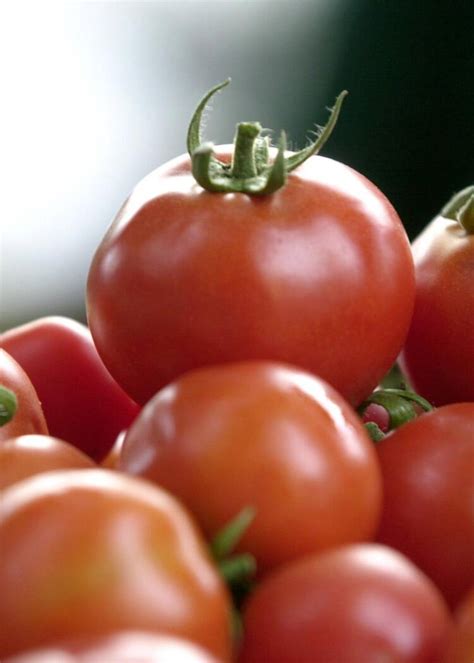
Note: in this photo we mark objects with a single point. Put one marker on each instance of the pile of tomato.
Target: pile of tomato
(212, 470)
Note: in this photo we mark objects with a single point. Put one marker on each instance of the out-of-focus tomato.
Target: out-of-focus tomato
(428, 477)
(26, 455)
(461, 645)
(438, 356)
(87, 552)
(186, 277)
(121, 647)
(29, 416)
(82, 403)
(355, 604)
(263, 435)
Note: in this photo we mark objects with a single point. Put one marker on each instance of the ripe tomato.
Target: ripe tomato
(263, 435)
(82, 403)
(87, 552)
(428, 514)
(461, 645)
(29, 416)
(360, 603)
(120, 647)
(26, 455)
(438, 357)
(185, 277)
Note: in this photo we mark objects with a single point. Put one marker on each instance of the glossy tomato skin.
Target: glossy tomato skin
(428, 513)
(29, 417)
(83, 404)
(27, 455)
(268, 436)
(185, 278)
(89, 552)
(438, 357)
(120, 647)
(351, 604)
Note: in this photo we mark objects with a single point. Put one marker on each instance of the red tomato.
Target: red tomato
(263, 435)
(26, 455)
(355, 604)
(461, 645)
(185, 278)
(427, 467)
(121, 647)
(438, 357)
(29, 416)
(82, 403)
(87, 552)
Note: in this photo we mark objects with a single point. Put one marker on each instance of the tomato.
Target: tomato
(438, 357)
(308, 275)
(120, 647)
(267, 436)
(83, 405)
(461, 645)
(360, 603)
(87, 552)
(428, 513)
(26, 455)
(29, 416)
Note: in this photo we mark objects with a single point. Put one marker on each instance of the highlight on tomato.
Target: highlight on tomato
(27, 455)
(83, 404)
(264, 436)
(249, 252)
(438, 356)
(350, 604)
(428, 485)
(89, 552)
(20, 408)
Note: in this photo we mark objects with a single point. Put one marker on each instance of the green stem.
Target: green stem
(399, 404)
(228, 537)
(243, 162)
(8, 405)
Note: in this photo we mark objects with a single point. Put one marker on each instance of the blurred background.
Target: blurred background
(97, 94)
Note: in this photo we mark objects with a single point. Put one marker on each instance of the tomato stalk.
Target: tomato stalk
(461, 209)
(250, 171)
(8, 405)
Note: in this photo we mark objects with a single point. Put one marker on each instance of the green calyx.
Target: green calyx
(251, 171)
(402, 405)
(461, 209)
(8, 405)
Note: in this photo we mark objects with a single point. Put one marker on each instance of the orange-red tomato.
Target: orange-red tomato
(29, 416)
(186, 278)
(355, 604)
(120, 647)
(26, 455)
(263, 435)
(428, 477)
(461, 644)
(87, 552)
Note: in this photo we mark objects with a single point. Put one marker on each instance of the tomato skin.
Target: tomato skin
(438, 356)
(120, 647)
(461, 644)
(27, 455)
(428, 513)
(88, 552)
(82, 403)
(264, 435)
(29, 417)
(352, 604)
(186, 278)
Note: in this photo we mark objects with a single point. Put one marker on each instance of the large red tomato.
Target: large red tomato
(28, 417)
(87, 552)
(428, 484)
(266, 436)
(355, 604)
(438, 357)
(318, 273)
(82, 403)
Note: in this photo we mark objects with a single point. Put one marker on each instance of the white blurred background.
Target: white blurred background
(97, 94)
